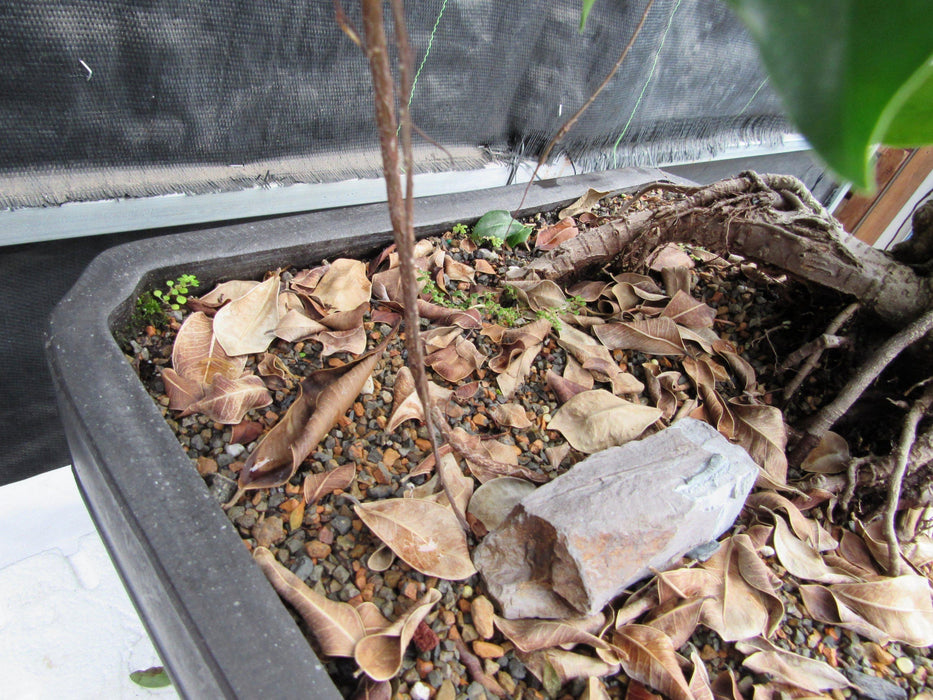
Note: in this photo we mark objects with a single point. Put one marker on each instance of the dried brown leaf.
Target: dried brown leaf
(247, 324)
(652, 336)
(495, 499)
(336, 626)
(900, 606)
(684, 310)
(458, 271)
(743, 371)
(344, 286)
(425, 535)
(514, 374)
(565, 665)
(504, 456)
(648, 656)
(324, 396)
(539, 294)
(806, 529)
(552, 236)
(585, 203)
(796, 670)
(515, 341)
(532, 634)
(802, 560)
(677, 619)
(594, 420)
(595, 690)
(564, 388)
(468, 319)
(457, 361)
(352, 341)
(197, 355)
(439, 337)
(824, 607)
(276, 373)
(760, 430)
(296, 325)
(830, 456)
(225, 292)
(182, 393)
(316, 486)
(228, 400)
(459, 486)
(670, 255)
(510, 415)
(380, 655)
(699, 681)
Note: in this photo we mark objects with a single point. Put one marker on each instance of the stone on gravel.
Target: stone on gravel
(577, 542)
(875, 688)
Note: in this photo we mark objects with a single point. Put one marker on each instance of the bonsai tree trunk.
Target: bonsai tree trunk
(771, 219)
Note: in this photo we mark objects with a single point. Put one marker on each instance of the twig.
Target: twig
(473, 665)
(400, 208)
(864, 376)
(568, 125)
(813, 355)
(904, 447)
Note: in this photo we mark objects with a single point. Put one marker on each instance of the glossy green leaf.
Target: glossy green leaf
(154, 677)
(585, 12)
(498, 226)
(850, 72)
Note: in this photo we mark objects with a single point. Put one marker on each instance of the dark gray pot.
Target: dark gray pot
(219, 627)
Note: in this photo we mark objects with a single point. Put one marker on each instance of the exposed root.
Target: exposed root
(904, 448)
(811, 353)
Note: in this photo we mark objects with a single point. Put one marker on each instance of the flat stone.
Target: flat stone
(875, 688)
(577, 542)
(483, 614)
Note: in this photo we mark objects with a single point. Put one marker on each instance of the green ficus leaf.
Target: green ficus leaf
(499, 226)
(852, 73)
(154, 677)
(585, 8)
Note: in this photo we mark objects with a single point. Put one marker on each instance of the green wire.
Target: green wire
(427, 51)
(654, 65)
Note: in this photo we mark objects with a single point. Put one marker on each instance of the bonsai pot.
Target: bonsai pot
(219, 627)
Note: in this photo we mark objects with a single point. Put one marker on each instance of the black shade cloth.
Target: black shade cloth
(113, 98)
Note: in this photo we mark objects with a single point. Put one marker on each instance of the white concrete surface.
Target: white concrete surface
(67, 627)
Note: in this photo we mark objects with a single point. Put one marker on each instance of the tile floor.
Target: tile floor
(67, 627)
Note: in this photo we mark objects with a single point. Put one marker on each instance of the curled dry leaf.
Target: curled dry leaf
(247, 325)
(677, 619)
(225, 292)
(324, 396)
(197, 355)
(824, 607)
(699, 680)
(316, 486)
(504, 458)
(585, 203)
(459, 486)
(591, 357)
(807, 674)
(468, 320)
(594, 420)
(564, 666)
(457, 361)
(439, 337)
(684, 310)
(295, 325)
(670, 255)
(760, 430)
(807, 530)
(495, 499)
(344, 286)
(636, 691)
(515, 341)
(802, 560)
(531, 634)
(830, 456)
(552, 236)
(595, 690)
(380, 655)
(409, 407)
(458, 271)
(510, 415)
(381, 559)
(539, 294)
(425, 535)
(743, 371)
(274, 371)
(336, 626)
(900, 606)
(648, 656)
(652, 336)
(352, 341)
(740, 609)
(228, 400)
(564, 388)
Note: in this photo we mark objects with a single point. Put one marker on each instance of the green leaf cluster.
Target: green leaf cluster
(176, 291)
(498, 227)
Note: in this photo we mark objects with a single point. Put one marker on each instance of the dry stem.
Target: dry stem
(813, 355)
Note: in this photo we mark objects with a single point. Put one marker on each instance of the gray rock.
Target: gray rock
(577, 542)
(222, 488)
(341, 523)
(875, 688)
(303, 567)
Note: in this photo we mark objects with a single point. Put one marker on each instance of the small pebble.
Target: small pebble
(420, 691)
(904, 665)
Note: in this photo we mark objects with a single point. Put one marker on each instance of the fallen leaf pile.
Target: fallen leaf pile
(640, 352)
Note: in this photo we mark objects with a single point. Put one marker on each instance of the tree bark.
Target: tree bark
(771, 219)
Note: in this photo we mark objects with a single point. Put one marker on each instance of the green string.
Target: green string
(750, 99)
(670, 21)
(427, 51)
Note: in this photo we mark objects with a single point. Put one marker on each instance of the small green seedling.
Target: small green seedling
(498, 227)
(459, 229)
(154, 677)
(176, 294)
